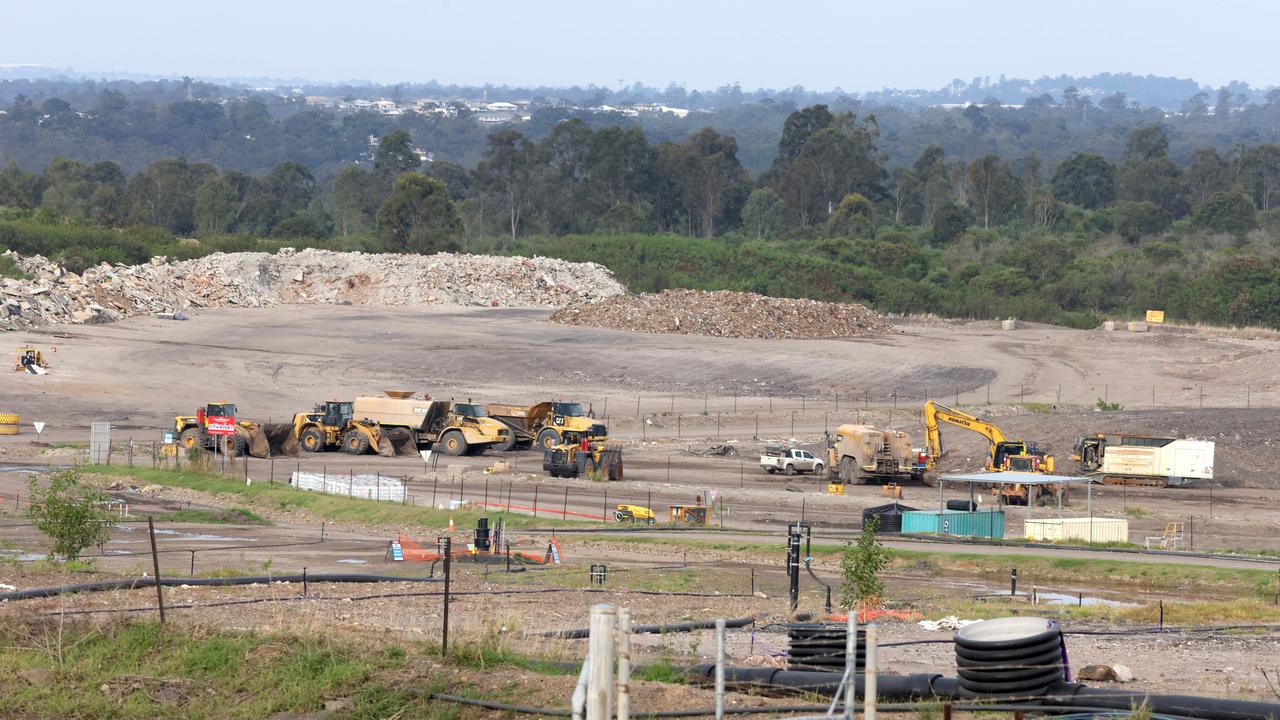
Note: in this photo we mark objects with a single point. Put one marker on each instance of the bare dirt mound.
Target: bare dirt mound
(308, 277)
(725, 314)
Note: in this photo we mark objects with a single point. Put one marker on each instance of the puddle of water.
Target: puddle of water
(196, 537)
(351, 561)
(1064, 599)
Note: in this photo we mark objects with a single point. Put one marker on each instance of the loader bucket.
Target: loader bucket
(397, 441)
(273, 440)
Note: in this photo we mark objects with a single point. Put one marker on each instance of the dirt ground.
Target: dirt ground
(669, 400)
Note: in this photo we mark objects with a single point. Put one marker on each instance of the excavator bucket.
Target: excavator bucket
(396, 441)
(272, 440)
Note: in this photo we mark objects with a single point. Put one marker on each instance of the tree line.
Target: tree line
(1069, 242)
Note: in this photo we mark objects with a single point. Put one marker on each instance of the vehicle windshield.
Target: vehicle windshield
(224, 409)
(470, 410)
(567, 409)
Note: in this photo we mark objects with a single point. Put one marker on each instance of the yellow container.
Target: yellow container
(9, 419)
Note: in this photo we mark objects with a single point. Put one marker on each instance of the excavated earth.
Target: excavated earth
(107, 293)
(724, 313)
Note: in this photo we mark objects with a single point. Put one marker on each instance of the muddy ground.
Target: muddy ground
(693, 394)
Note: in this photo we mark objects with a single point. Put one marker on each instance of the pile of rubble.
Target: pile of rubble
(109, 292)
(725, 314)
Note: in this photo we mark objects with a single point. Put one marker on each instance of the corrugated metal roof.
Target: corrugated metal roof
(1012, 476)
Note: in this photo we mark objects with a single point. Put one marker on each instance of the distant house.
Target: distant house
(501, 107)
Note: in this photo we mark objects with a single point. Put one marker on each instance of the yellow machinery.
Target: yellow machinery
(332, 425)
(450, 427)
(596, 459)
(260, 440)
(635, 514)
(547, 424)
(861, 453)
(29, 360)
(1002, 454)
(698, 514)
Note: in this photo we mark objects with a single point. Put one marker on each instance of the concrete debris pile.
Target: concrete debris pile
(725, 314)
(315, 277)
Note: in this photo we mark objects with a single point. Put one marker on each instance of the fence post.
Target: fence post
(869, 685)
(850, 658)
(535, 501)
(720, 668)
(622, 689)
(600, 677)
(444, 632)
(155, 564)
(564, 511)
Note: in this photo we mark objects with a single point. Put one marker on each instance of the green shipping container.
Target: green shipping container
(983, 523)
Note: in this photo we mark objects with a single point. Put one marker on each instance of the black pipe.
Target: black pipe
(1183, 705)
(580, 633)
(889, 687)
(203, 582)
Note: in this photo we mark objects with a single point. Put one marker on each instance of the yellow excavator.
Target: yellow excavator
(1003, 454)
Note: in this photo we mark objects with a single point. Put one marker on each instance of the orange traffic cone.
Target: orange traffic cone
(450, 523)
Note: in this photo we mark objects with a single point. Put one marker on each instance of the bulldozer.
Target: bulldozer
(332, 425)
(260, 440)
(28, 359)
(450, 427)
(546, 425)
(584, 458)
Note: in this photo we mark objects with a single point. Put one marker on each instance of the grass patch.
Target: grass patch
(230, 516)
(146, 670)
(1038, 408)
(337, 508)
(662, 671)
(1135, 512)
(10, 270)
(1186, 614)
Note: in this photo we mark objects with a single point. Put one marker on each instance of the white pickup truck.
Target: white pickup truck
(791, 461)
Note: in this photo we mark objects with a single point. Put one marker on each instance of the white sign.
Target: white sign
(39, 426)
(426, 455)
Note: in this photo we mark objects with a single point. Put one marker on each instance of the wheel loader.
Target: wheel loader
(261, 440)
(584, 458)
(332, 425)
(449, 427)
(547, 424)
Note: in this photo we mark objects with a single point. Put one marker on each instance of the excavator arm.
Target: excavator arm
(935, 414)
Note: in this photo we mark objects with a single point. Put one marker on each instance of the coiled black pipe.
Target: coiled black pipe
(1013, 657)
(580, 633)
(146, 582)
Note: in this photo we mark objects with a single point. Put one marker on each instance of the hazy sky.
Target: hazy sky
(699, 43)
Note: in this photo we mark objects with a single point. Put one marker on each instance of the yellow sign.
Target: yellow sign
(1155, 317)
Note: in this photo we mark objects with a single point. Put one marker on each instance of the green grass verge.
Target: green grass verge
(335, 508)
(231, 516)
(145, 670)
(1184, 579)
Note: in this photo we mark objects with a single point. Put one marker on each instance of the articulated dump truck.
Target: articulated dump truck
(861, 454)
(547, 424)
(333, 425)
(449, 427)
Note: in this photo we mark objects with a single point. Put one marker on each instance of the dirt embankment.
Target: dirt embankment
(726, 314)
(308, 277)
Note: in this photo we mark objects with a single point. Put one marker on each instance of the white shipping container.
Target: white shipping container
(1098, 530)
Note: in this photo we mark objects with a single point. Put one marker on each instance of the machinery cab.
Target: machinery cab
(219, 409)
(574, 423)
(336, 414)
(29, 360)
(1020, 456)
(470, 410)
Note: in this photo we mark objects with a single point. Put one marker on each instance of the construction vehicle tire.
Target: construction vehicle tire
(548, 438)
(506, 446)
(189, 438)
(789, 470)
(355, 443)
(771, 471)
(622, 515)
(236, 445)
(312, 440)
(453, 443)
